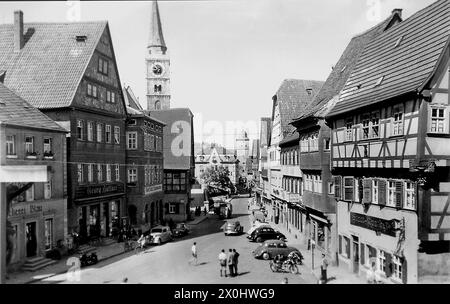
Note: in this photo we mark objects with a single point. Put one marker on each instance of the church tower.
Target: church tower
(158, 65)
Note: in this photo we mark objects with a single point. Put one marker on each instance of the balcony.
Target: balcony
(291, 170)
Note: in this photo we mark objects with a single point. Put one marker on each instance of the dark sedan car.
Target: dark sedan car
(269, 249)
(180, 230)
(262, 234)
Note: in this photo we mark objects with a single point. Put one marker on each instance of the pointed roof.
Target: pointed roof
(14, 110)
(130, 99)
(293, 96)
(48, 69)
(156, 38)
(343, 68)
(399, 61)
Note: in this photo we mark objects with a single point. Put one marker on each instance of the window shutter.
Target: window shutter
(381, 192)
(399, 194)
(360, 190)
(404, 271)
(347, 243)
(337, 187)
(177, 208)
(363, 260)
(340, 244)
(367, 191)
(388, 265)
(166, 207)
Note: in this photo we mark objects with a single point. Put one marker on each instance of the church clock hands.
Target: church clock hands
(157, 69)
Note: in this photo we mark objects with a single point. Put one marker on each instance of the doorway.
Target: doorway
(355, 254)
(107, 221)
(31, 239)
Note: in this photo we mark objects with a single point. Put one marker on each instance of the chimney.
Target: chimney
(18, 31)
(397, 11)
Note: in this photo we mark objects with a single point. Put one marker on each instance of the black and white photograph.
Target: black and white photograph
(223, 143)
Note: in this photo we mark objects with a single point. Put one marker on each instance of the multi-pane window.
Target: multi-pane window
(108, 172)
(99, 132)
(99, 172)
(108, 134)
(117, 135)
(80, 175)
(365, 127)
(409, 196)
(397, 123)
(117, 172)
(314, 143)
(48, 190)
(47, 146)
(29, 144)
(175, 181)
(10, 145)
(80, 129)
(375, 125)
(92, 90)
(349, 129)
(110, 97)
(152, 142)
(381, 261)
(349, 189)
(132, 175)
(90, 171)
(48, 233)
(391, 194)
(304, 144)
(398, 271)
(103, 66)
(375, 191)
(437, 120)
(132, 140)
(90, 131)
(29, 194)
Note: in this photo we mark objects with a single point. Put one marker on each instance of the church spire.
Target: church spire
(156, 38)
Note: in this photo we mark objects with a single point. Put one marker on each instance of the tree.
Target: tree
(219, 178)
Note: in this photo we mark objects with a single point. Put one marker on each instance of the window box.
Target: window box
(11, 156)
(48, 155)
(31, 155)
(132, 184)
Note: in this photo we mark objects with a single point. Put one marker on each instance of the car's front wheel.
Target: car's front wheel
(266, 256)
(259, 239)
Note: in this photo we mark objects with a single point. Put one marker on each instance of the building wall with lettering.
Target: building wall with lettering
(381, 241)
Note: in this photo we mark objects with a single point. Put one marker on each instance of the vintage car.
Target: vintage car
(181, 229)
(233, 227)
(262, 234)
(160, 234)
(271, 248)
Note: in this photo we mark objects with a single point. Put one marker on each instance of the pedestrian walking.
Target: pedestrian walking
(223, 262)
(230, 262)
(236, 260)
(194, 254)
(323, 267)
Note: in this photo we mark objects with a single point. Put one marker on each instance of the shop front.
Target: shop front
(34, 228)
(378, 242)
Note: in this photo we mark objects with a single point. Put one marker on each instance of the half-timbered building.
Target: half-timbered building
(69, 72)
(318, 217)
(390, 152)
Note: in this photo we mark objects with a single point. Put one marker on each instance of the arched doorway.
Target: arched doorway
(157, 105)
(152, 214)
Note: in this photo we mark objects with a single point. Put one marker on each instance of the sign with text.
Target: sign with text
(99, 190)
(373, 223)
(153, 189)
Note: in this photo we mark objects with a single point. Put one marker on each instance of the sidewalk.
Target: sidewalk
(27, 277)
(198, 220)
(335, 274)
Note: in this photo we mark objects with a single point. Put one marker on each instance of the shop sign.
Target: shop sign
(152, 189)
(98, 190)
(376, 224)
(30, 209)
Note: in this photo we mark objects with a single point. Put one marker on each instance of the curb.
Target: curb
(62, 272)
(198, 222)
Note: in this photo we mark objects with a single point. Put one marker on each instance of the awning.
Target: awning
(317, 218)
(98, 198)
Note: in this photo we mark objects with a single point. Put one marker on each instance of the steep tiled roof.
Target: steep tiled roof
(47, 70)
(293, 96)
(405, 55)
(178, 137)
(294, 138)
(130, 99)
(14, 110)
(343, 68)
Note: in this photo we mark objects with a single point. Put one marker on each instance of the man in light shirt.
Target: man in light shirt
(194, 254)
(223, 262)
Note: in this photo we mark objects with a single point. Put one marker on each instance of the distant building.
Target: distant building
(242, 147)
(144, 150)
(38, 216)
(262, 192)
(215, 158)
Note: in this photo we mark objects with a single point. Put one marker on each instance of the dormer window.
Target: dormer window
(379, 81)
(398, 42)
(81, 38)
(309, 91)
(344, 68)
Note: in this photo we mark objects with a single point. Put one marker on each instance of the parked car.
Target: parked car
(271, 248)
(233, 227)
(160, 234)
(180, 229)
(266, 233)
(256, 225)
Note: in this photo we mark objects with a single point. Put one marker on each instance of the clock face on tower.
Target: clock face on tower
(157, 69)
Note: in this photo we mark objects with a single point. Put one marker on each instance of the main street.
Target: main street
(169, 263)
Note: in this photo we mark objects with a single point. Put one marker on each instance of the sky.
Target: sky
(228, 57)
